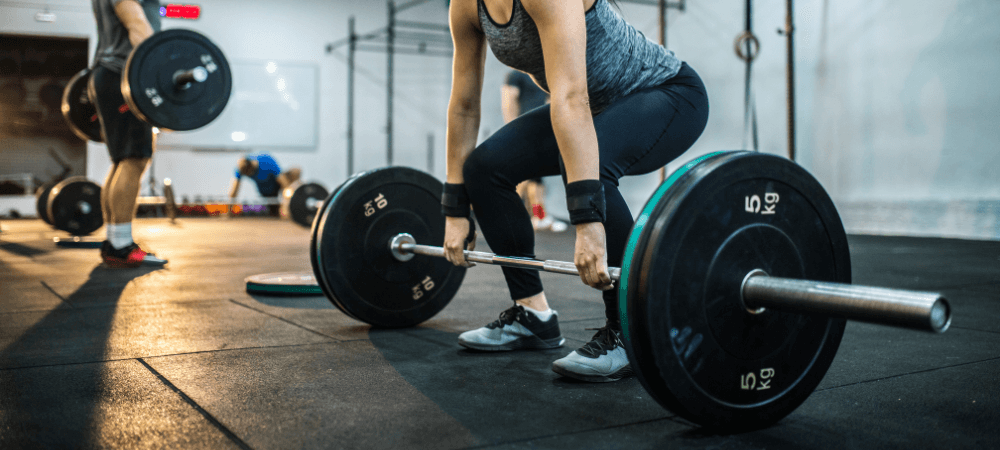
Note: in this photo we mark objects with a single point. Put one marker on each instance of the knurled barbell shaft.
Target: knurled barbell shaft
(562, 267)
(925, 311)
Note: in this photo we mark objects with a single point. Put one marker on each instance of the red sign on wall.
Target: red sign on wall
(180, 11)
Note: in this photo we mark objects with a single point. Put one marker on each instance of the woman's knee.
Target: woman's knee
(482, 168)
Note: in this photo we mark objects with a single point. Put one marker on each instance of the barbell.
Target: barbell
(175, 80)
(733, 294)
(299, 201)
(74, 204)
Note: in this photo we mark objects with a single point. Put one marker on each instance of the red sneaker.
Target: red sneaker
(131, 256)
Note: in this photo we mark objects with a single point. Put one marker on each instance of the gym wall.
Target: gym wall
(896, 103)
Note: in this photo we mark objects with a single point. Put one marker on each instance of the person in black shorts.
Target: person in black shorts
(121, 25)
(519, 95)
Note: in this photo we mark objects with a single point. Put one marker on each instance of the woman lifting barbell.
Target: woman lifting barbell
(620, 105)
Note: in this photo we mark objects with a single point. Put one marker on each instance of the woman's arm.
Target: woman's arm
(562, 27)
(466, 86)
(468, 65)
(563, 31)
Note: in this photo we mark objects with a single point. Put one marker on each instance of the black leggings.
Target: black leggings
(638, 134)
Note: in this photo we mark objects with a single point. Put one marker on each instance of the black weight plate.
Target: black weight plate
(693, 345)
(75, 206)
(305, 202)
(79, 112)
(350, 248)
(314, 237)
(149, 88)
(42, 202)
(286, 283)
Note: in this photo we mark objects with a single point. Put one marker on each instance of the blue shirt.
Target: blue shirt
(267, 174)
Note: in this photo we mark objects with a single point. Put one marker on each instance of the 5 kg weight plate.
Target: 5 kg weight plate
(693, 344)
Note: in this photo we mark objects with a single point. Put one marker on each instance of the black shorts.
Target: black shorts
(125, 135)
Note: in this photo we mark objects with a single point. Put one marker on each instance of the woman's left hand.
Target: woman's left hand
(591, 257)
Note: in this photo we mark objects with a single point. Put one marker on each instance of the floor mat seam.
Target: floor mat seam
(284, 320)
(190, 401)
(934, 369)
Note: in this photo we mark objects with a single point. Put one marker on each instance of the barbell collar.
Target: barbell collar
(926, 311)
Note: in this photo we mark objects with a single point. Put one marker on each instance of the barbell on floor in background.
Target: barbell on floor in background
(74, 205)
(300, 201)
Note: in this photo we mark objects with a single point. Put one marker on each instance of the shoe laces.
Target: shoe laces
(606, 339)
(508, 316)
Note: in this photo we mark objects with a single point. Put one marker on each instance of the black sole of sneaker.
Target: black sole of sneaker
(527, 343)
(621, 373)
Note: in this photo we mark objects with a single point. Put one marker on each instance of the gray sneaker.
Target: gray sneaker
(601, 360)
(515, 329)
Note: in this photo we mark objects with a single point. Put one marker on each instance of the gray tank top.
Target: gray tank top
(620, 59)
(113, 46)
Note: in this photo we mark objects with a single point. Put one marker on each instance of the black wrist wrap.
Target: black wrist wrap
(585, 201)
(455, 201)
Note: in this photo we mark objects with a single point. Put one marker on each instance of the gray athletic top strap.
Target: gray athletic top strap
(620, 59)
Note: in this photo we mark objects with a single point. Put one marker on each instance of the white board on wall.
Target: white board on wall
(273, 104)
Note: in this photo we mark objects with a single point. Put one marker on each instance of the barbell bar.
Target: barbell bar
(925, 311)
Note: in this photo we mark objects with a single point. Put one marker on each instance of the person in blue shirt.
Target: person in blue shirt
(265, 173)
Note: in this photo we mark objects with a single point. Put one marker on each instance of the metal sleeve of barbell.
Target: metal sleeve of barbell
(927, 311)
(562, 267)
(197, 74)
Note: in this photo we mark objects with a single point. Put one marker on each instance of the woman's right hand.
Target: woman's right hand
(456, 230)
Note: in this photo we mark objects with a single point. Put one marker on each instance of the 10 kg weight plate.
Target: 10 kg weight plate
(149, 88)
(350, 248)
(693, 344)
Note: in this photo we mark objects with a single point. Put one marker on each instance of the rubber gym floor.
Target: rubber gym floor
(183, 357)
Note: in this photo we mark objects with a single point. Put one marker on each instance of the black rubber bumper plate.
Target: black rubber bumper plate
(75, 206)
(350, 248)
(79, 112)
(148, 81)
(698, 351)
